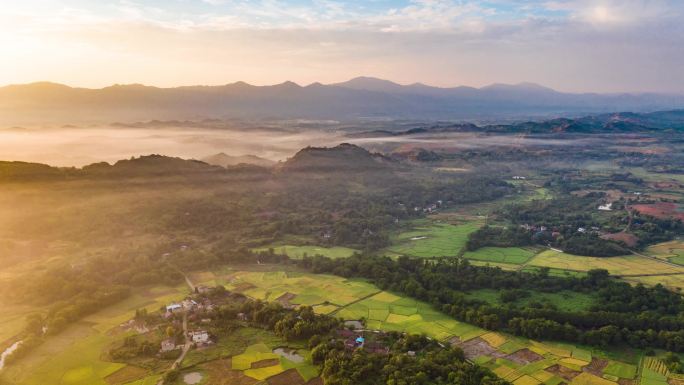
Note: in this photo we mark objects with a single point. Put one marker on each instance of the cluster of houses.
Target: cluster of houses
(430, 208)
(194, 310)
(555, 232)
(354, 339)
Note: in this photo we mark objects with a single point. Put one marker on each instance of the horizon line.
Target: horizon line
(339, 83)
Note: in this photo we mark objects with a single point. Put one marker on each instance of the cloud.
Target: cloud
(575, 45)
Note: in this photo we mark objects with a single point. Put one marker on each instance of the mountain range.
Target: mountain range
(358, 98)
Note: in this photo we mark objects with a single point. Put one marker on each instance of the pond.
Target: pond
(192, 378)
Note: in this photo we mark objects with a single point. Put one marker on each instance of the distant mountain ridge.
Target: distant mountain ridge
(361, 97)
(620, 122)
(225, 160)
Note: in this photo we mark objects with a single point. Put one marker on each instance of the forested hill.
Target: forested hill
(342, 158)
(620, 122)
(143, 166)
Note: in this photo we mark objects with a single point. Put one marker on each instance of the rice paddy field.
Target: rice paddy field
(433, 240)
(670, 251)
(74, 357)
(508, 255)
(622, 265)
(298, 252)
(518, 360)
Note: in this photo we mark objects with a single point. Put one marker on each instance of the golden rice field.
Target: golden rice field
(622, 265)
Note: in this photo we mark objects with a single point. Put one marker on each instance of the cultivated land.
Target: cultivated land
(670, 251)
(433, 240)
(298, 252)
(516, 359)
(632, 268)
(508, 255)
(76, 356)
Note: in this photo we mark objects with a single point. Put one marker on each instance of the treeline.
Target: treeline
(622, 314)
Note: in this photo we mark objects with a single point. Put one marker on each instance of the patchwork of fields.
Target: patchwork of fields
(631, 268)
(519, 360)
(75, 355)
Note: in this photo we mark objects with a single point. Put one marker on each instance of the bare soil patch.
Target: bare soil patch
(596, 366)
(288, 377)
(285, 300)
(624, 381)
(524, 357)
(660, 210)
(628, 238)
(265, 363)
(479, 347)
(562, 371)
(220, 372)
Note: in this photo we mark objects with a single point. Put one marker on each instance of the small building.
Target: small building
(174, 307)
(606, 207)
(411, 353)
(360, 341)
(168, 345)
(200, 336)
(242, 317)
(581, 230)
(189, 304)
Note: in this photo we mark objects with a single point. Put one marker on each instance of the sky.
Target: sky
(570, 45)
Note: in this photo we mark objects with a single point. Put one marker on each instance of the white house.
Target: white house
(606, 207)
(199, 337)
(174, 307)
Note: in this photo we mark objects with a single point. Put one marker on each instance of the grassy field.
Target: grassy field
(671, 251)
(433, 240)
(623, 265)
(74, 357)
(566, 300)
(509, 255)
(298, 252)
(503, 266)
(305, 289)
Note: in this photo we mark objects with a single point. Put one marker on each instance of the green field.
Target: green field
(565, 300)
(74, 357)
(510, 255)
(671, 251)
(306, 289)
(623, 265)
(298, 252)
(555, 272)
(433, 240)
